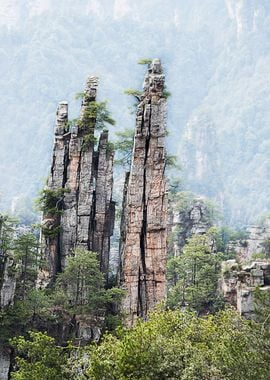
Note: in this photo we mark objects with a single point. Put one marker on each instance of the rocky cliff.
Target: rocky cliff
(238, 284)
(144, 232)
(79, 186)
(257, 242)
(188, 216)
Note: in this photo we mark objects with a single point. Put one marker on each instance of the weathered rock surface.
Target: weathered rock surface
(86, 178)
(4, 363)
(8, 285)
(144, 232)
(257, 241)
(7, 275)
(187, 220)
(238, 284)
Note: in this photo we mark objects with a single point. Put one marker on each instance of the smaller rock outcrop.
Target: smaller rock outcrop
(238, 284)
(257, 241)
(188, 216)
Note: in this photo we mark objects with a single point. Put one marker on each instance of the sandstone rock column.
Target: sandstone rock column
(85, 179)
(144, 240)
(104, 207)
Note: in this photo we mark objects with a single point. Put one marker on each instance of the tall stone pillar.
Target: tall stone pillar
(144, 235)
(84, 179)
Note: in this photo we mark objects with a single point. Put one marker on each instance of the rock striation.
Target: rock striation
(144, 223)
(81, 179)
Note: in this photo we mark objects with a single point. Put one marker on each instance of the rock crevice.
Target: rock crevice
(83, 177)
(144, 232)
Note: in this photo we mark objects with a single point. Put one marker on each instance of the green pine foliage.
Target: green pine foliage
(96, 114)
(80, 288)
(180, 345)
(145, 61)
(193, 277)
(169, 345)
(38, 358)
(50, 201)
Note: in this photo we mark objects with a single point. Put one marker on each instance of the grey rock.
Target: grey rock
(239, 284)
(4, 364)
(86, 175)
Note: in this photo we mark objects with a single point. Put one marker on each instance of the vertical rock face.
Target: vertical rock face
(103, 208)
(4, 363)
(185, 221)
(239, 283)
(257, 241)
(7, 275)
(7, 285)
(83, 179)
(57, 181)
(145, 206)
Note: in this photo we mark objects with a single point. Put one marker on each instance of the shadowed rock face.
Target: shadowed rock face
(4, 363)
(86, 178)
(144, 233)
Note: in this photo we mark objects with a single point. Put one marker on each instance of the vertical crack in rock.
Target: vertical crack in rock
(85, 179)
(103, 216)
(144, 222)
(56, 181)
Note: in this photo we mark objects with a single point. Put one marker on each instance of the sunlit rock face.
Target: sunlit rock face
(143, 245)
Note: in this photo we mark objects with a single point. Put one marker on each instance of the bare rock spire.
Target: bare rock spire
(143, 247)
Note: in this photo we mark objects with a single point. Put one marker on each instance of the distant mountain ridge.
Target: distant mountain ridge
(216, 56)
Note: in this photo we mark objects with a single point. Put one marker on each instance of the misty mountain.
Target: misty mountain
(216, 57)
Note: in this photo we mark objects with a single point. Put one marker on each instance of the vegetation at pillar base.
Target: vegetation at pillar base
(40, 358)
(82, 285)
(22, 261)
(193, 276)
(170, 345)
(79, 289)
(26, 256)
(7, 230)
